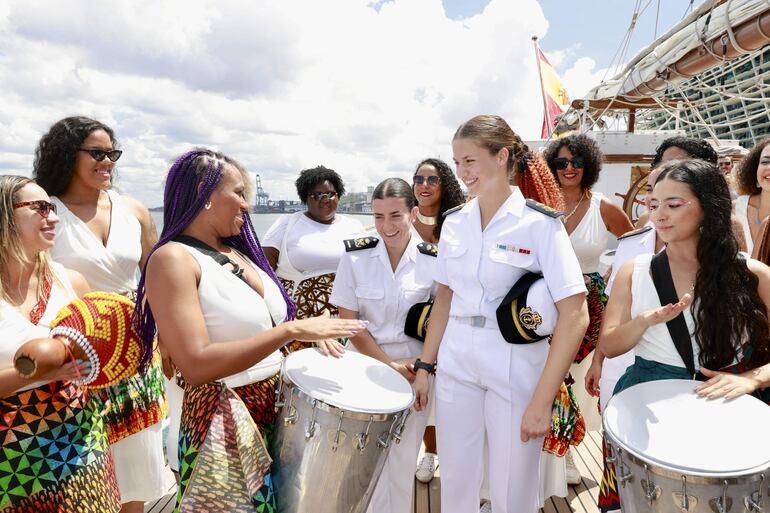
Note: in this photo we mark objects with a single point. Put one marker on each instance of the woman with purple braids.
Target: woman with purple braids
(222, 316)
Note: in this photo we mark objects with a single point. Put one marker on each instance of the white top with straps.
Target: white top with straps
(232, 310)
(742, 213)
(589, 238)
(308, 248)
(15, 329)
(110, 268)
(656, 343)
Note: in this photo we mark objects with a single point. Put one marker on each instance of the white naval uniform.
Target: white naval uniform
(483, 383)
(630, 245)
(365, 283)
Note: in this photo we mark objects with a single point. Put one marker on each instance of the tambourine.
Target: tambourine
(96, 328)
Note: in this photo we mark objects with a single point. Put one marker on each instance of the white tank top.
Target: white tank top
(233, 310)
(16, 329)
(590, 237)
(656, 343)
(110, 268)
(742, 213)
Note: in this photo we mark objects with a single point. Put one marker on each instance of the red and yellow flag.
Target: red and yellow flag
(554, 94)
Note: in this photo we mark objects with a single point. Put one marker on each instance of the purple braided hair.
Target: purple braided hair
(183, 198)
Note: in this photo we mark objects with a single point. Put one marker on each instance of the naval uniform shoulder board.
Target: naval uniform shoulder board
(361, 243)
(453, 210)
(544, 209)
(633, 233)
(428, 248)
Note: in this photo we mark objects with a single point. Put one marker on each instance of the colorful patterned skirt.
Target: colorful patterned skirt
(597, 301)
(224, 465)
(133, 404)
(567, 424)
(312, 297)
(55, 456)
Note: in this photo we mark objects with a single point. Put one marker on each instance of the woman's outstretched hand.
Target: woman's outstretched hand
(726, 384)
(666, 313)
(324, 327)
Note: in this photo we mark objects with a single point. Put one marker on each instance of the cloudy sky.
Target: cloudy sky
(366, 87)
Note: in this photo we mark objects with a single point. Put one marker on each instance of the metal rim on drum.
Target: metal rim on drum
(631, 416)
(323, 406)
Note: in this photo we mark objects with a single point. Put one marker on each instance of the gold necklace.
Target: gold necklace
(427, 220)
(565, 218)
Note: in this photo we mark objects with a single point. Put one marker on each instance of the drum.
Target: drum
(675, 451)
(338, 417)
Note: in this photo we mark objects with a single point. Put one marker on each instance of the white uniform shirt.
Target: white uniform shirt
(481, 266)
(629, 248)
(365, 283)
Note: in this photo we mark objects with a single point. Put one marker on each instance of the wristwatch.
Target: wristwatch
(419, 364)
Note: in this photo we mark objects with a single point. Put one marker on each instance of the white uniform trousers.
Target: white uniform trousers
(483, 387)
(394, 490)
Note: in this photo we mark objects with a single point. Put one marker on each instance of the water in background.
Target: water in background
(262, 222)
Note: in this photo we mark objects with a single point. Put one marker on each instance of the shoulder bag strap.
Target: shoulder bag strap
(677, 327)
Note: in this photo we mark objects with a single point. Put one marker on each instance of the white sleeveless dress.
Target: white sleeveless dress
(139, 461)
(742, 213)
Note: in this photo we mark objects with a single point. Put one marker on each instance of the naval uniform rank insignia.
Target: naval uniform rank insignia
(427, 248)
(544, 209)
(508, 247)
(633, 233)
(453, 210)
(361, 243)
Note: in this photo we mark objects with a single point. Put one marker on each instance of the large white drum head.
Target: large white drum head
(354, 382)
(666, 423)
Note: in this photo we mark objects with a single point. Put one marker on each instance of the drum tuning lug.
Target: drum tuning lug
(336, 442)
(400, 428)
(383, 441)
(684, 502)
(291, 418)
(755, 503)
(651, 492)
(312, 425)
(610, 455)
(721, 504)
(363, 438)
(278, 397)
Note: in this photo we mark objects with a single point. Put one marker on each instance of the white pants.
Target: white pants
(483, 387)
(393, 493)
(612, 370)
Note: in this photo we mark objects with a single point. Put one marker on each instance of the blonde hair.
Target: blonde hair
(10, 242)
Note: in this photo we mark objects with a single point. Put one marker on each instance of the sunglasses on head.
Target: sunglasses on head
(432, 179)
(318, 196)
(99, 155)
(42, 207)
(563, 162)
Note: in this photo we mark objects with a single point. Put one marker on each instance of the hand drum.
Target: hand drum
(96, 328)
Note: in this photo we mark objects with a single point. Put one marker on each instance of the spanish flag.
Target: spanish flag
(555, 97)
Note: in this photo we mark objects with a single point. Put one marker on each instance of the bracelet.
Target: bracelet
(78, 338)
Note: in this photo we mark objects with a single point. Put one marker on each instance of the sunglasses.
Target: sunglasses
(725, 164)
(318, 196)
(563, 162)
(42, 207)
(99, 155)
(432, 179)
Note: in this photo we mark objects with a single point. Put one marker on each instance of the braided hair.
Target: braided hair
(189, 184)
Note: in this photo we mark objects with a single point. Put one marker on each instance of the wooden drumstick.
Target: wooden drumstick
(40, 356)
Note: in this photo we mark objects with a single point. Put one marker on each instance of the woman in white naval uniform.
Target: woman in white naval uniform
(377, 281)
(486, 386)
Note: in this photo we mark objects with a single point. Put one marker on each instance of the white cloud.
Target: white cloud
(366, 88)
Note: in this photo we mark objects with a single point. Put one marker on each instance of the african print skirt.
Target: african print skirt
(312, 297)
(55, 456)
(597, 300)
(224, 465)
(133, 404)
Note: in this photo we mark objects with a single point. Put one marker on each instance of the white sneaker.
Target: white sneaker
(486, 507)
(427, 467)
(573, 474)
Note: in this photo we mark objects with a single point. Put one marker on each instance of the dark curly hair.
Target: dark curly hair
(695, 148)
(579, 145)
(451, 192)
(309, 178)
(746, 175)
(55, 153)
(729, 311)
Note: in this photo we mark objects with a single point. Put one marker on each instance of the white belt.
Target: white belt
(477, 321)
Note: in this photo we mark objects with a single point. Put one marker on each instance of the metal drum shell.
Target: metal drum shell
(308, 473)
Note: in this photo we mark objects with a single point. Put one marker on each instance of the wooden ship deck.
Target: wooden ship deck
(581, 498)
